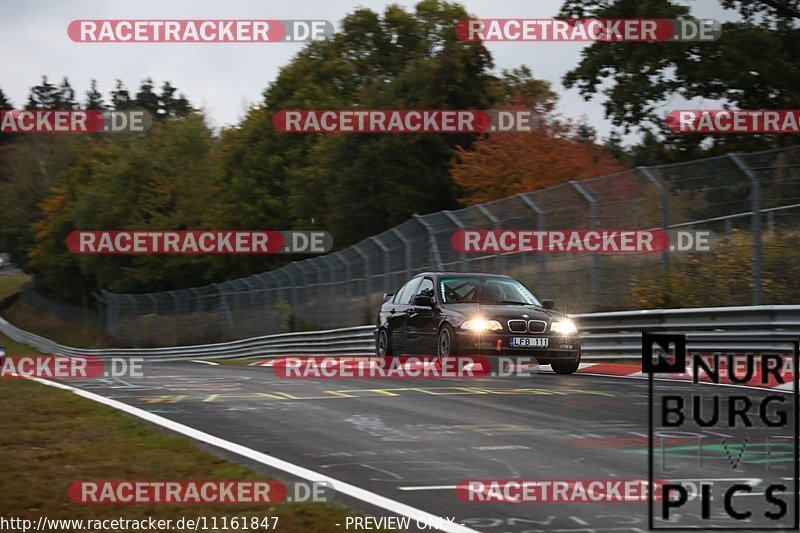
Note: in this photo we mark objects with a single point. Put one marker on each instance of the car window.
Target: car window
(407, 292)
(425, 288)
(408, 295)
(485, 290)
(399, 294)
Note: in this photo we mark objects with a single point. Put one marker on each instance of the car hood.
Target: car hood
(503, 312)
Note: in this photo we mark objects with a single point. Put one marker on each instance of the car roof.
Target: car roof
(458, 274)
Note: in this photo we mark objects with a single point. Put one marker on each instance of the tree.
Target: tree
(94, 100)
(504, 164)
(5, 138)
(354, 185)
(172, 106)
(5, 103)
(121, 98)
(43, 96)
(161, 180)
(147, 98)
(754, 65)
(65, 96)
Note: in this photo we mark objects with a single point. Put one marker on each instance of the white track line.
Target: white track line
(339, 486)
(205, 362)
(431, 487)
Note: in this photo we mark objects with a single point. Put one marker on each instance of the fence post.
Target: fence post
(348, 276)
(755, 186)
(196, 314)
(157, 329)
(385, 254)
(297, 297)
(291, 285)
(407, 246)
(595, 269)
(176, 312)
(137, 320)
(540, 225)
(224, 310)
(500, 259)
(663, 196)
(437, 257)
(246, 312)
(305, 290)
(460, 225)
(367, 281)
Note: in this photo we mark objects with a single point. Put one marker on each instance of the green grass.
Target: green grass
(62, 331)
(11, 283)
(65, 332)
(51, 438)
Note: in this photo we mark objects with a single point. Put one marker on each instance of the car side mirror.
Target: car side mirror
(423, 301)
(548, 304)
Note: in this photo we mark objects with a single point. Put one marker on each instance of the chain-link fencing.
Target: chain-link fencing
(751, 201)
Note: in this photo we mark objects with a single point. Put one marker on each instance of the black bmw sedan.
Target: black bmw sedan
(448, 314)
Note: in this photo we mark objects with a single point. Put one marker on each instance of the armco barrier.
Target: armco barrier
(615, 335)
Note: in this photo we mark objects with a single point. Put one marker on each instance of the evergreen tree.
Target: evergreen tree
(120, 97)
(147, 98)
(94, 100)
(65, 96)
(172, 106)
(43, 96)
(5, 103)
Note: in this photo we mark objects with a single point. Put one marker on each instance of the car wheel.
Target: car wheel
(566, 366)
(383, 346)
(446, 342)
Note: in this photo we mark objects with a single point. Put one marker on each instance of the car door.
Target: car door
(422, 321)
(398, 316)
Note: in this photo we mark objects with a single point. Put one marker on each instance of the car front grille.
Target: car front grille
(537, 326)
(531, 326)
(517, 326)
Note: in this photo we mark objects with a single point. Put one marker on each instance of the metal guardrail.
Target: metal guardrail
(615, 335)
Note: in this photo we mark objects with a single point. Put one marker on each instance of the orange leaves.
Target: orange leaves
(504, 164)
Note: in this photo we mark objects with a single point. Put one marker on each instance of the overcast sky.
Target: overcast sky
(225, 78)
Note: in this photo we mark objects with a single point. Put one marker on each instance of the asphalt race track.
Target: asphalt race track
(414, 440)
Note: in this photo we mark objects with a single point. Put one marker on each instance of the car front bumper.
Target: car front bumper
(489, 343)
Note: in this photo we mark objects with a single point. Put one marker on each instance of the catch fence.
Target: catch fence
(749, 200)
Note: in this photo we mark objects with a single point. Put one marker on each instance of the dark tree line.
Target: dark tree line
(163, 103)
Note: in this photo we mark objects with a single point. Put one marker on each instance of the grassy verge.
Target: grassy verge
(11, 283)
(62, 331)
(51, 438)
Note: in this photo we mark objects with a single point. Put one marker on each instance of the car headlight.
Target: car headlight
(565, 326)
(479, 324)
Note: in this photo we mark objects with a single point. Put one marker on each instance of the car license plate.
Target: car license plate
(529, 342)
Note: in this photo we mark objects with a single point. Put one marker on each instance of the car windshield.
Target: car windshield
(500, 291)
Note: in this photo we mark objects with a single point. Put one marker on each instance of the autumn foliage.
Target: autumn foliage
(504, 164)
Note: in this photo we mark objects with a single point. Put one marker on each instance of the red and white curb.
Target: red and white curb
(634, 371)
(619, 370)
